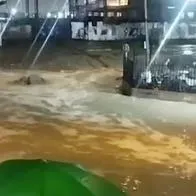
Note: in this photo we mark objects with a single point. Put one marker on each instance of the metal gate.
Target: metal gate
(173, 70)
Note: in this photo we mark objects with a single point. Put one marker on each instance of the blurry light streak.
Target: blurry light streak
(60, 15)
(9, 19)
(170, 30)
(173, 25)
(47, 38)
(38, 34)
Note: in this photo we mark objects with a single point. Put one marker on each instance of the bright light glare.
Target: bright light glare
(2, 18)
(60, 15)
(171, 7)
(188, 52)
(172, 27)
(13, 11)
(48, 15)
(190, 14)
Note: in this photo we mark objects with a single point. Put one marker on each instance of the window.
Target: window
(91, 1)
(190, 15)
(118, 14)
(81, 2)
(117, 2)
(90, 14)
(96, 14)
(110, 14)
(102, 14)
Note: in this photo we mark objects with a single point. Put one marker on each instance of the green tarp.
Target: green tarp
(49, 178)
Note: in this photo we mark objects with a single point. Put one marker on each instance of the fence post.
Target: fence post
(127, 82)
(1, 29)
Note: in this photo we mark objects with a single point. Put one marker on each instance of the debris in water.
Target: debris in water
(30, 80)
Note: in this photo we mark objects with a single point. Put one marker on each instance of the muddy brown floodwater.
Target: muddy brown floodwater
(76, 118)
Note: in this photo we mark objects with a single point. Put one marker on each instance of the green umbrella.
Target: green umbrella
(49, 178)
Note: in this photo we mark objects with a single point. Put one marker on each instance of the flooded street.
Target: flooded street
(145, 146)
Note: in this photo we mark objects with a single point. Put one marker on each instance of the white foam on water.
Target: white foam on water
(71, 100)
(71, 96)
(92, 105)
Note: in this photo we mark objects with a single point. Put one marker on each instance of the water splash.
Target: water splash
(47, 38)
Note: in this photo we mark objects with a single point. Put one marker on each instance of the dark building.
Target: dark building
(124, 10)
(108, 10)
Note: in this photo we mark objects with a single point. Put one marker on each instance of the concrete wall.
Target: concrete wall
(115, 32)
(101, 31)
(78, 31)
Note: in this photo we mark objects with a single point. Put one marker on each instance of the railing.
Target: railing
(173, 70)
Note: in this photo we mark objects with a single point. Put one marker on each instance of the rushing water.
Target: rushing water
(145, 146)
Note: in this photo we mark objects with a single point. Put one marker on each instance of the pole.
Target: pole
(36, 8)
(127, 82)
(147, 33)
(1, 29)
(35, 24)
(27, 8)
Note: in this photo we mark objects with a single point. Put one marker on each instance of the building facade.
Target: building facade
(112, 19)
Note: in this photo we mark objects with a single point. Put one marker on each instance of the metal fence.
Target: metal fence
(173, 70)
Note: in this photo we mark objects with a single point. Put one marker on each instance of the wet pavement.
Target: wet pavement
(144, 145)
